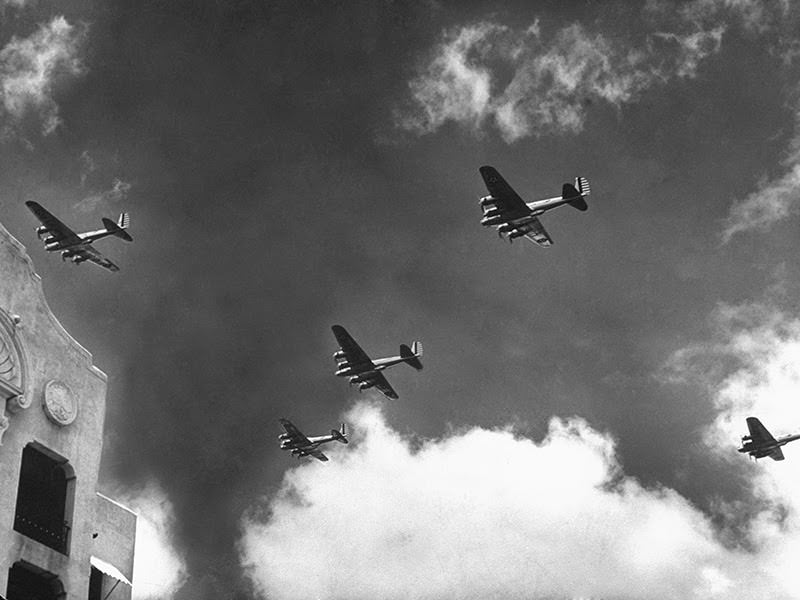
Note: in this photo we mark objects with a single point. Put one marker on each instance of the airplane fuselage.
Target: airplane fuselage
(494, 216)
(346, 369)
(762, 450)
(316, 441)
(538, 207)
(85, 239)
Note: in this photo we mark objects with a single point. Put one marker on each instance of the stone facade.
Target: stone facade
(53, 404)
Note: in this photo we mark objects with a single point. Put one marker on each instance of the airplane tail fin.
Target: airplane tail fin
(118, 228)
(340, 436)
(583, 186)
(412, 355)
(570, 191)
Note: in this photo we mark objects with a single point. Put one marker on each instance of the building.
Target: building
(59, 538)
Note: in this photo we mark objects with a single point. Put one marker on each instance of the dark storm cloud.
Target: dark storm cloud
(248, 130)
(268, 213)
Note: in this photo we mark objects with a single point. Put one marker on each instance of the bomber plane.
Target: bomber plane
(77, 247)
(353, 362)
(515, 218)
(761, 443)
(301, 446)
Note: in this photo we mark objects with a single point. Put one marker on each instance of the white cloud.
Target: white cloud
(117, 193)
(776, 22)
(158, 571)
(773, 201)
(486, 513)
(751, 367)
(453, 87)
(551, 81)
(30, 68)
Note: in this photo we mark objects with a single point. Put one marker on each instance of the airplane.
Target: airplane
(514, 217)
(77, 246)
(353, 362)
(761, 443)
(301, 445)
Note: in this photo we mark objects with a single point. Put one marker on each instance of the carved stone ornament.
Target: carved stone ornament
(11, 364)
(60, 404)
(18, 403)
(3, 427)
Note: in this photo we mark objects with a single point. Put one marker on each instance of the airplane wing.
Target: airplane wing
(58, 231)
(507, 200)
(759, 433)
(318, 455)
(295, 435)
(379, 381)
(777, 454)
(353, 352)
(533, 229)
(89, 253)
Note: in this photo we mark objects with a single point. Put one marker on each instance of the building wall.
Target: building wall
(61, 407)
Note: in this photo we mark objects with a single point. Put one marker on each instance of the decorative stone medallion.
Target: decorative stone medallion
(60, 404)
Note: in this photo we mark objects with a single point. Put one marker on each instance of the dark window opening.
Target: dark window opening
(27, 582)
(96, 585)
(45, 483)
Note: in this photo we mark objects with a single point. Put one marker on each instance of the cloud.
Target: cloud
(524, 85)
(117, 193)
(776, 23)
(756, 16)
(158, 571)
(773, 201)
(751, 367)
(487, 513)
(31, 67)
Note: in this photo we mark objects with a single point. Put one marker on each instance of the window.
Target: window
(27, 582)
(96, 585)
(44, 497)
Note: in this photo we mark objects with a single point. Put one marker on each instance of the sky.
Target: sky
(290, 166)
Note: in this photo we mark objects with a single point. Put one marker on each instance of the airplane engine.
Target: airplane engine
(283, 436)
(67, 254)
(487, 221)
(492, 212)
(746, 438)
(344, 371)
(364, 385)
(486, 200)
(40, 231)
(355, 379)
(339, 354)
(51, 247)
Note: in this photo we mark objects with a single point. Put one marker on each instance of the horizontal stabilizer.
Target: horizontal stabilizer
(412, 356)
(119, 229)
(577, 201)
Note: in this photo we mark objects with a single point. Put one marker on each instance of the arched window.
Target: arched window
(44, 497)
